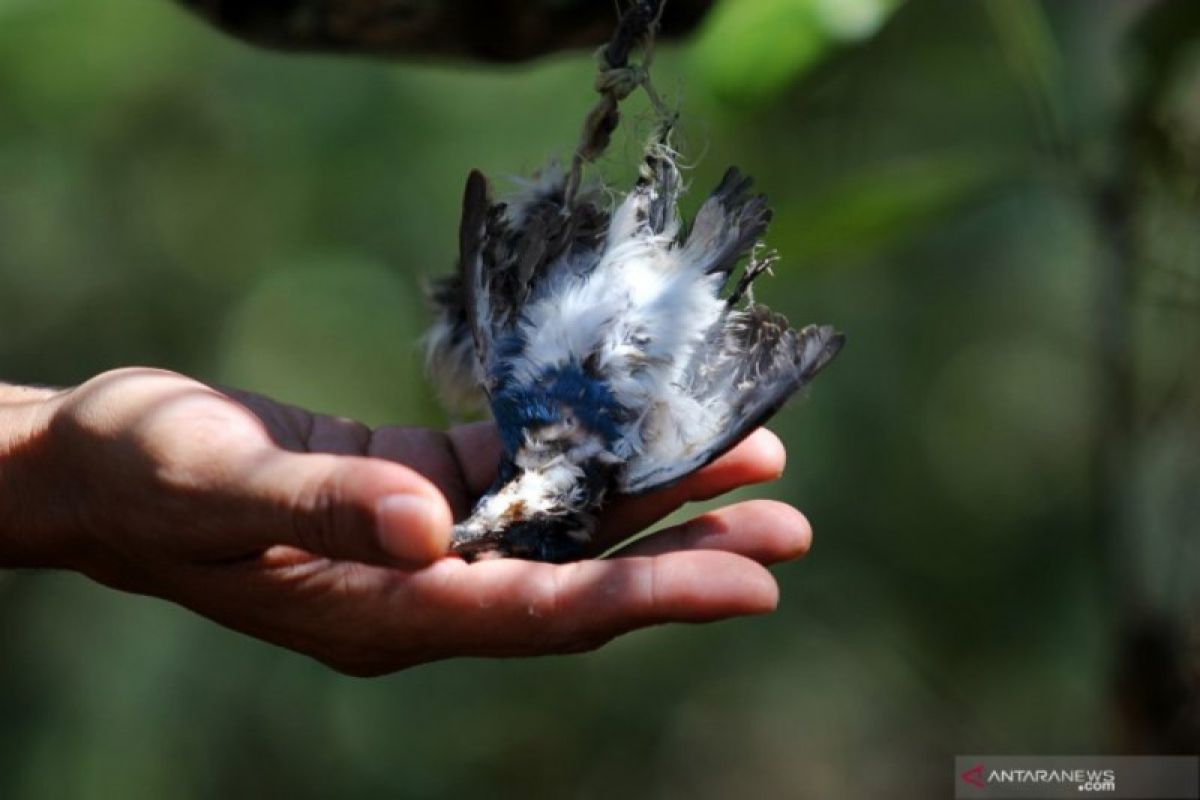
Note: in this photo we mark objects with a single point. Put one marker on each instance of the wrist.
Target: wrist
(32, 533)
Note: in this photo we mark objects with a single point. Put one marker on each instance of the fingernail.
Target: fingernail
(413, 528)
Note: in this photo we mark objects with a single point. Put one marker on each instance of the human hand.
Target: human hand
(325, 537)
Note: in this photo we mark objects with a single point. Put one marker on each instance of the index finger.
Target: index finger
(759, 458)
(461, 462)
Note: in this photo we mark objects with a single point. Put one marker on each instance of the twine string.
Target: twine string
(616, 80)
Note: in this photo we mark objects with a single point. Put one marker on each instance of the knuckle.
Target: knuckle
(315, 516)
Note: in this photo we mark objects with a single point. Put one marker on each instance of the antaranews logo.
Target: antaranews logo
(974, 776)
(1146, 777)
(1083, 780)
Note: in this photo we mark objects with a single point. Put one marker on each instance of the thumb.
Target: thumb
(349, 508)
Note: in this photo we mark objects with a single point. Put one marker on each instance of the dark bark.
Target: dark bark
(499, 30)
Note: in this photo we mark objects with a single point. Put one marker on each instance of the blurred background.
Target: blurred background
(999, 202)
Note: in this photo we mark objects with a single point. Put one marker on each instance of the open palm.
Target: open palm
(324, 536)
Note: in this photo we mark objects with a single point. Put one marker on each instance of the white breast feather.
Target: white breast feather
(643, 311)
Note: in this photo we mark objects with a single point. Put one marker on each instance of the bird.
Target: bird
(617, 347)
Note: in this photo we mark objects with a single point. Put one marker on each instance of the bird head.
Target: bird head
(543, 504)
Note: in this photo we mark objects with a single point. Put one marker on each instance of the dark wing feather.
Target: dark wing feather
(653, 205)
(527, 237)
(473, 280)
(460, 335)
(658, 189)
(753, 368)
(505, 250)
(727, 227)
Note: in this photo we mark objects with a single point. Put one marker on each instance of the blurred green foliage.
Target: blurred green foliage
(171, 197)
(750, 52)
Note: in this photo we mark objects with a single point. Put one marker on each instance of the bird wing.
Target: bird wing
(745, 363)
(747, 369)
(506, 250)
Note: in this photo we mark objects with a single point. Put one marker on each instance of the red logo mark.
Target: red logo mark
(974, 776)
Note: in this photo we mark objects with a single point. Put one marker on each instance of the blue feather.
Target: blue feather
(517, 407)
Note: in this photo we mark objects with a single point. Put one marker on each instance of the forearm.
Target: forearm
(29, 533)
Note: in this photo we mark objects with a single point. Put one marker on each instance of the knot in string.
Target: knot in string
(616, 80)
(621, 82)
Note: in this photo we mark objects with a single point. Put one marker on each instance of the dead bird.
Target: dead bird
(619, 350)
